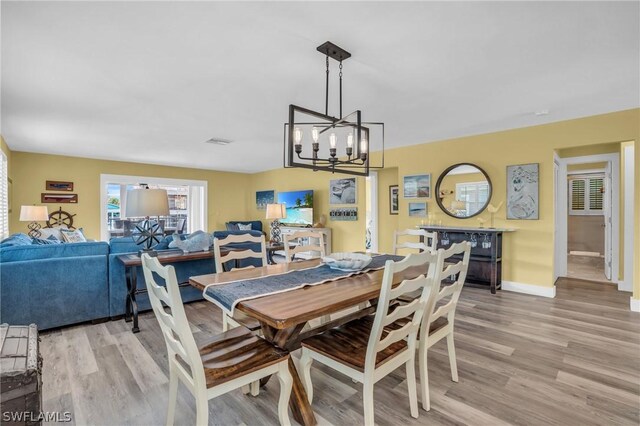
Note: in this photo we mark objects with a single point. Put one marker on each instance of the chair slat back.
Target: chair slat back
(446, 301)
(306, 241)
(220, 259)
(173, 324)
(427, 263)
(429, 240)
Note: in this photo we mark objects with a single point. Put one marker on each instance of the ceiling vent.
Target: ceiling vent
(218, 141)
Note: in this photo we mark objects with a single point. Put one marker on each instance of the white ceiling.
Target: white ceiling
(150, 82)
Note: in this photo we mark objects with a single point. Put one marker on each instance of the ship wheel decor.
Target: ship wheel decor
(61, 218)
(147, 233)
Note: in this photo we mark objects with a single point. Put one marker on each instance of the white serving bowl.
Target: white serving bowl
(347, 261)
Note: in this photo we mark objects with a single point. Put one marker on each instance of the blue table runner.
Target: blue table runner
(228, 295)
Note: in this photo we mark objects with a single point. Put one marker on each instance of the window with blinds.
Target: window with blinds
(586, 195)
(4, 197)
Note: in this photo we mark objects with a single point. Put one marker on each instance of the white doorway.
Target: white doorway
(587, 202)
(371, 229)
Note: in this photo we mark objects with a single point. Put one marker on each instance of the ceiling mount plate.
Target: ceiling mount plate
(333, 51)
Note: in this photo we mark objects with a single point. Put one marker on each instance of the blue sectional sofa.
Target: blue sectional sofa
(62, 284)
(54, 285)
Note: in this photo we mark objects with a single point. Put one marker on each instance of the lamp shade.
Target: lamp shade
(34, 214)
(276, 211)
(458, 205)
(147, 202)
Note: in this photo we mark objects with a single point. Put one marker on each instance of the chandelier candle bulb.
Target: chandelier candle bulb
(363, 147)
(315, 134)
(332, 141)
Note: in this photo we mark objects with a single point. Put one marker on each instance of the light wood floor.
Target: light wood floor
(524, 360)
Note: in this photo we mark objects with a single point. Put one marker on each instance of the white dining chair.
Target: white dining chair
(428, 240)
(364, 349)
(228, 361)
(439, 315)
(304, 242)
(235, 255)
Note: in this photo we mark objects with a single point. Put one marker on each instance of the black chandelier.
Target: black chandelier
(349, 132)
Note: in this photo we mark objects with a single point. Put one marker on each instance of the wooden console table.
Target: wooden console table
(131, 263)
(485, 263)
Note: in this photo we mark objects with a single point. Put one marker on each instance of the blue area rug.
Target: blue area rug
(227, 296)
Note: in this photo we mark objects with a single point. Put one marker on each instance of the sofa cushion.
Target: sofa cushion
(34, 251)
(127, 245)
(197, 241)
(234, 225)
(16, 240)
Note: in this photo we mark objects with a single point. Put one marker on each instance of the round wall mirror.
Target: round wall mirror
(463, 190)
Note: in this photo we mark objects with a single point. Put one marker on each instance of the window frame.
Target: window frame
(585, 176)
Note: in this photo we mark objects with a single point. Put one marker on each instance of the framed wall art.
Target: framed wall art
(417, 186)
(349, 214)
(56, 185)
(343, 191)
(418, 209)
(263, 198)
(393, 199)
(59, 198)
(523, 192)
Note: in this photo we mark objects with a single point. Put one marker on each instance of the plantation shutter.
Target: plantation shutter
(596, 188)
(4, 198)
(577, 195)
(586, 195)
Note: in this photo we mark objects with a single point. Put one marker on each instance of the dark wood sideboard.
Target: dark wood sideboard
(485, 264)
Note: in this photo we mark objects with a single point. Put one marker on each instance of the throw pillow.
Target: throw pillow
(198, 241)
(73, 236)
(244, 227)
(232, 226)
(46, 241)
(54, 231)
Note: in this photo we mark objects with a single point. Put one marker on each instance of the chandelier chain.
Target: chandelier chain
(326, 90)
(340, 89)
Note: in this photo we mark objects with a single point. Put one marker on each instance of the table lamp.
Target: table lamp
(275, 212)
(146, 202)
(34, 214)
(458, 206)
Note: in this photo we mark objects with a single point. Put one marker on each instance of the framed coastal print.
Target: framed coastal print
(343, 191)
(263, 198)
(417, 186)
(393, 199)
(523, 191)
(56, 185)
(417, 209)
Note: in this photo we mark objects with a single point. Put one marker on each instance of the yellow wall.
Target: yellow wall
(387, 223)
(586, 166)
(346, 236)
(528, 252)
(226, 191)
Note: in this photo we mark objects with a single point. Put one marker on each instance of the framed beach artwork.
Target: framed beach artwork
(417, 186)
(263, 198)
(343, 191)
(418, 209)
(394, 207)
(523, 191)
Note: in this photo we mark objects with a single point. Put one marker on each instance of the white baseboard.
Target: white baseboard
(535, 290)
(624, 286)
(635, 304)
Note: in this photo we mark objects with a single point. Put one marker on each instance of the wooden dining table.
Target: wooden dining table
(282, 316)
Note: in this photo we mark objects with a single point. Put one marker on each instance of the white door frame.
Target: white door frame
(629, 231)
(561, 210)
(373, 188)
